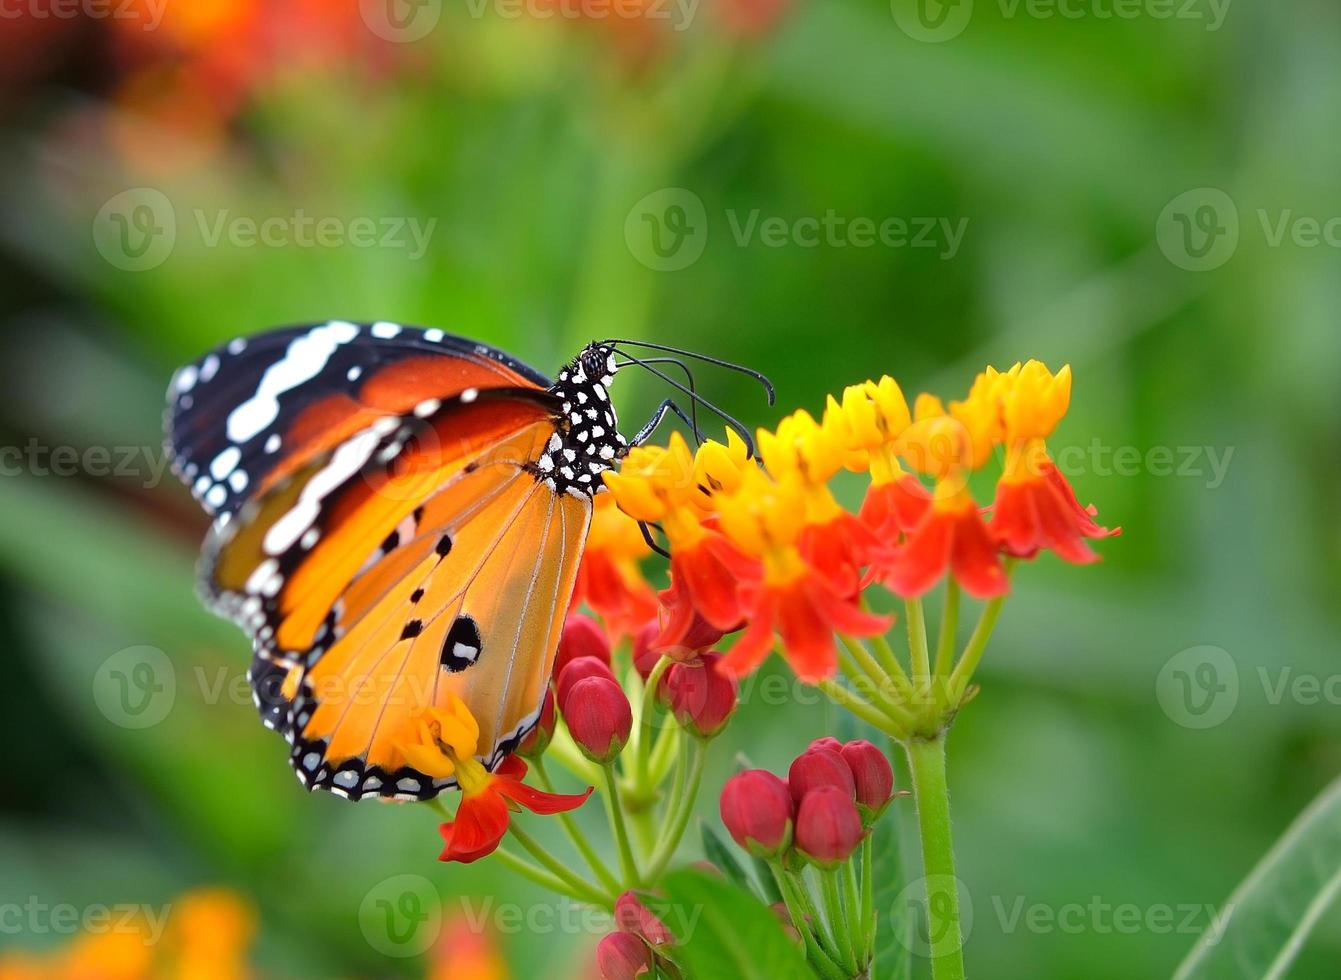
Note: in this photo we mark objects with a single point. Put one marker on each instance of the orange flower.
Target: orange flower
(794, 599)
(466, 952)
(675, 488)
(1036, 508)
(951, 536)
(835, 543)
(609, 580)
(441, 743)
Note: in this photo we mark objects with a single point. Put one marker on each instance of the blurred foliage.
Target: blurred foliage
(528, 142)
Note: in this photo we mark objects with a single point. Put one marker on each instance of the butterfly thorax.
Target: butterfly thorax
(586, 441)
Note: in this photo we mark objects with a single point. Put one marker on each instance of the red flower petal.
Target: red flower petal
(509, 783)
(479, 826)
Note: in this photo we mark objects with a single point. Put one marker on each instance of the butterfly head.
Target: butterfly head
(586, 441)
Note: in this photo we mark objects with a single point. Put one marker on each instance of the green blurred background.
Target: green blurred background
(1133, 194)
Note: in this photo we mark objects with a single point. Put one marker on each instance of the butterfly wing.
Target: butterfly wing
(380, 571)
(256, 409)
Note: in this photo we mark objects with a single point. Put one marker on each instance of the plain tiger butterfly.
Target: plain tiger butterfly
(399, 514)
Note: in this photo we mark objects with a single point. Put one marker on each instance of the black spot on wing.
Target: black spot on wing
(462, 646)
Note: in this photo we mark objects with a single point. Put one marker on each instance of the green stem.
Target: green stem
(866, 676)
(578, 885)
(888, 658)
(665, 753)
(563, 750)
(615, 811)
(973, 651)
(844, 698)
(641, 768)
(670, 839)
(868, 911)
(819, 959)
(838, 926)
(946, 640)
(578, 838)
(542, 878)
(915, 619)
(926, 760)
(856, 913)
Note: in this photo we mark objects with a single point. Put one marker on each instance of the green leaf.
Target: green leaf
(720, 855)
(723, 931)
(1263, 925)
(893, 924)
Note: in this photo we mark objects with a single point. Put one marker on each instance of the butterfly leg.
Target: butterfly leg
(651, 542)
(658, 416)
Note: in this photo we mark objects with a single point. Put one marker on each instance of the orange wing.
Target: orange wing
(421, 555)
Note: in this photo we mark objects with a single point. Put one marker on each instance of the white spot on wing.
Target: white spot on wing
(302, 361)
(384, 330)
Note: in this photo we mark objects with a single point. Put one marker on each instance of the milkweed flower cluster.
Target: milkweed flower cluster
(770, 546)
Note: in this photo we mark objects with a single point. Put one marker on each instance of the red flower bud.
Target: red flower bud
(828, 827)
(622, 956)
(533, 746)
(826, 742)
(644, 657)
(756, 809)
(577, 670)
(631, 915)
(820, 767)
(872, 774)
(700, 695)
(582, 637)
(599, 717)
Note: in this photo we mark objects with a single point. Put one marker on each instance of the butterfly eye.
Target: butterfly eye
(593, 363)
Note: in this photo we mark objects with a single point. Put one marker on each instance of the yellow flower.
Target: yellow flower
(871, 417)
(802, 448)
(1035, 400)
(653, 479)
(442, 739)
(764, 517)
(717, 467)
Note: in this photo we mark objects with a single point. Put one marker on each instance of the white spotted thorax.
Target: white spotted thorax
(588, 441)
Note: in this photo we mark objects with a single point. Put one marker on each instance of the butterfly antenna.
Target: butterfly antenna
(740, 368)
(693, 398)
(730, 420)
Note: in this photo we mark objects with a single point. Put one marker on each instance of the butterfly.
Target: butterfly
(398, 517)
